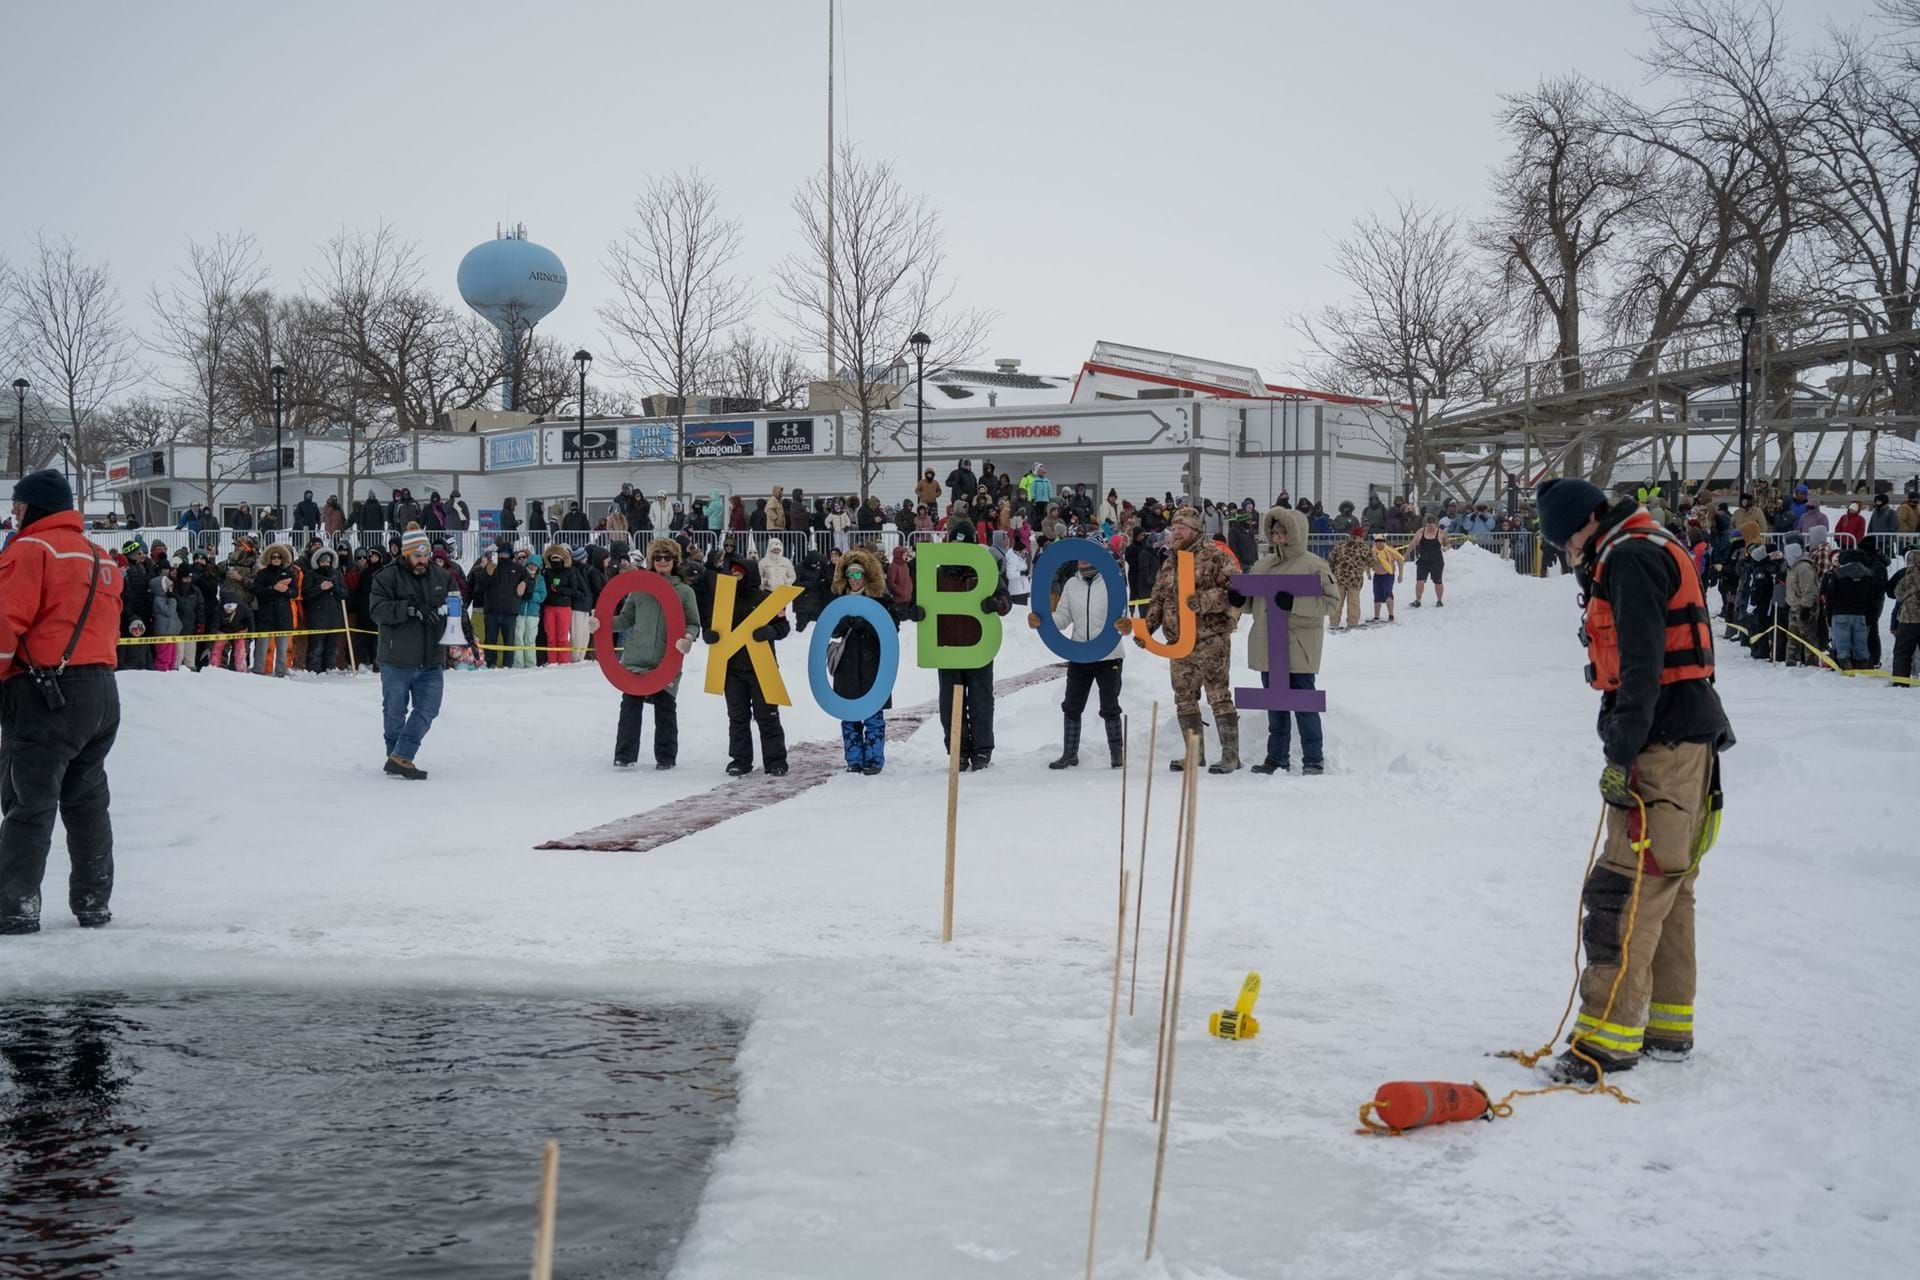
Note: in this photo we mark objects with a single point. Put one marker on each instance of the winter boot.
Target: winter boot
(1190, 724)
(1668, 1050)
(1070, 753)
(1116, 745)
(777, 769)
(94, 919)
(404, 769)
(1266, 767)
(979, 762)
(1229, 746)
(1571, 1068)
(739, 768)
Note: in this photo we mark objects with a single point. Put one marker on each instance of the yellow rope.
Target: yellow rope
(1504, 1107)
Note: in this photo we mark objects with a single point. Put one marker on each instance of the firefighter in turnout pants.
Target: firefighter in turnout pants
(1649, 644)
(59, 705)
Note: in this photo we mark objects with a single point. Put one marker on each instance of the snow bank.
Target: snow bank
(910, 1109)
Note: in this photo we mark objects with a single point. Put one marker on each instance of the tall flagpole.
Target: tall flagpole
(830, 280)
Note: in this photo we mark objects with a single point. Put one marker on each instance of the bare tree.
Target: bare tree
(407, 353)
(197, 321)
(77, 351)
(1420, 327)
(677, 295)
(289, 331)
(1560, 200)
(887, 281)
(753, 367)
(143, 422)
(550, 384)
(1860, 170)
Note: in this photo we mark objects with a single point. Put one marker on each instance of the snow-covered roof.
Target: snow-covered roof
(987, 388)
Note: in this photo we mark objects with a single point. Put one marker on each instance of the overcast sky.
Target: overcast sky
(1169, 174)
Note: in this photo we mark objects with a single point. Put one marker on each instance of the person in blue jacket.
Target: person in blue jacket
(526, 623)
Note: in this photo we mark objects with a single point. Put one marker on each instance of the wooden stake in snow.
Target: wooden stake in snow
(1106, 1082)
(1123, 810)
(549, 1195)
(954, 734)
(1140, 890)
(1173, 904)
(1173, 1020)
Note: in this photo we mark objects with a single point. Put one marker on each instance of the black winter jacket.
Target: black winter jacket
(272, 609)
(136, 594)
(747, 596)
(497, 590)
(1641, 577)
(1852, 587)
(325, 591)
(409, 608)
(566, 588)
(859, 664)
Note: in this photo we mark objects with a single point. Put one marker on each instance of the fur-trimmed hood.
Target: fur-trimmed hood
(566, 553)
(873, 575)
(277, 553)
(1287, 519)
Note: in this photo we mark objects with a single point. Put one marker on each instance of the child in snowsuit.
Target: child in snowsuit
(236, 618)
(746, 705)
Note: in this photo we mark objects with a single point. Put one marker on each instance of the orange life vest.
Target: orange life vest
(1689, 653)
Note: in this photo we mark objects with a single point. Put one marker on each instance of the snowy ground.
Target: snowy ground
(914, 1110)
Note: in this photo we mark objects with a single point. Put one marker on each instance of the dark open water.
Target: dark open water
(269, 1135)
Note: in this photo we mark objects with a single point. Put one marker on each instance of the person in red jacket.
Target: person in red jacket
(1850, 530)
(59, 705)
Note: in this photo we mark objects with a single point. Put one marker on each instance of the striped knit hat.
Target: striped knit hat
(413, 542)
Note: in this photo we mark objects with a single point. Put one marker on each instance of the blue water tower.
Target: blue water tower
(514, 283)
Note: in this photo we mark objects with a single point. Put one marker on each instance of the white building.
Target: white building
(1132, 420)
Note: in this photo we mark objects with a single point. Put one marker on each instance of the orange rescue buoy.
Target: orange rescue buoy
(1405, 1105)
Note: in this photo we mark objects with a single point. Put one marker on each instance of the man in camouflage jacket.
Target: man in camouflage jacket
(1215, 615)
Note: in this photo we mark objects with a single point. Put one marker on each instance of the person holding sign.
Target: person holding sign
(644, 624)
(1081, 615)
(1196, 614)
(966, 598)
(1285, 533)
(857, 659)
(737, 597)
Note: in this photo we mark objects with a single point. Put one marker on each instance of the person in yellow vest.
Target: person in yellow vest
(1649, 643)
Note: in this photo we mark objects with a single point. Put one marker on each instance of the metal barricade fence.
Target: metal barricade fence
(1518, 546)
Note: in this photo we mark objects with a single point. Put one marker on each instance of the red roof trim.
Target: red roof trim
(1280, 392)
(1331, 397)
(1091, 367)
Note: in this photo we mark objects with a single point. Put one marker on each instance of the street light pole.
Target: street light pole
(279, 375)
(919, 342)
(583, 359)
(1743, 319)
(20, 419)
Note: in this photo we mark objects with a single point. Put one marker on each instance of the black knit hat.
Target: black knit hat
(44, 491)
(1565, 503)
